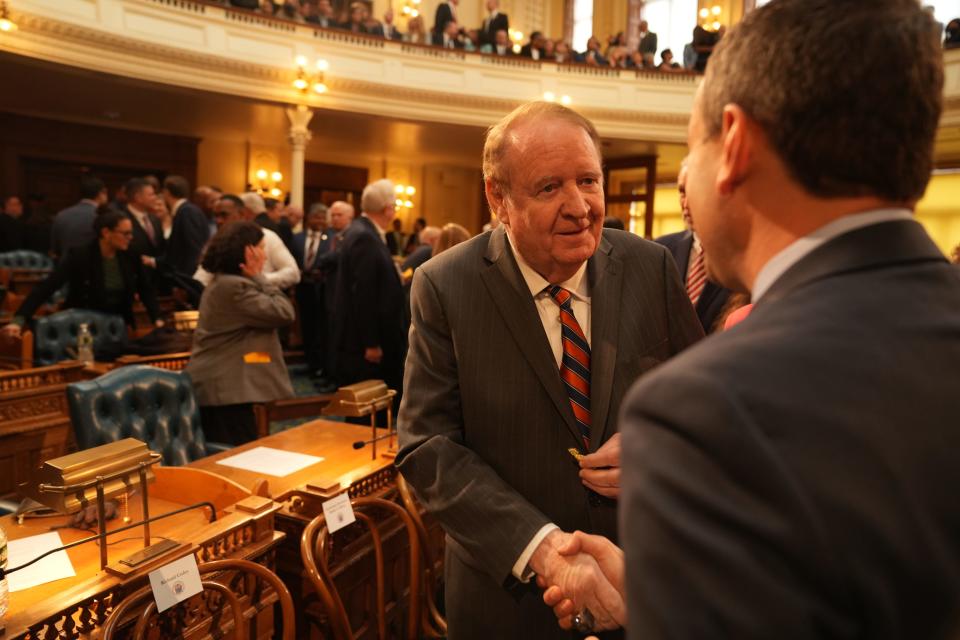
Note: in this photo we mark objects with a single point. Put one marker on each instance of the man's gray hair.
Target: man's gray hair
(254, 202)
(318, 207)
(377, 196)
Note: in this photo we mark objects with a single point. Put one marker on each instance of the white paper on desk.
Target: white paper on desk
(272, 462)
(55, 566)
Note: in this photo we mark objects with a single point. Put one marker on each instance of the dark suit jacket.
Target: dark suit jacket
(82, 270)
(489, 28)
(793, 477)
(437, 40)
(485, 422)
(140, 245)
(714, 297)
(527, 51)
(188, 237)
(442, 16)
(367, 308)
(11, 233)
(380, 30)
(648, 44)
(73, 227)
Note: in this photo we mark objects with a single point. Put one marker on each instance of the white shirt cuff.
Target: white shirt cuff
(520, 569)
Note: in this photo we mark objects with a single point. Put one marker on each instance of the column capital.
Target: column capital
(299, 125)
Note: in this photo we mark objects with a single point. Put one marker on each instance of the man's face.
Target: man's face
(323, 6)
(492, 5)
(339, 217)
(144, 198)
(643, 26)
(13, 207)
(317, 221)
(718, 225)
(502, 38)
(538, 41)
(452, 29)
(226, 212)
(553, 205)
(388, 16)
(684, 206)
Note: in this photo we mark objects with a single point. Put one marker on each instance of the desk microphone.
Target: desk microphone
(360, 444)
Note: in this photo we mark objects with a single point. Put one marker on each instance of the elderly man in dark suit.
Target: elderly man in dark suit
(73, 226)
(706, 296)
(495, 21)
(792, 477)
(368, 303)
(523, 342)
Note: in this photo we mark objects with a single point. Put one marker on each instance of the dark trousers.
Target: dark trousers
(313, 324)
(229, 424)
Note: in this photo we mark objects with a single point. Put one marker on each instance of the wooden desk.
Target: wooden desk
(76, 607)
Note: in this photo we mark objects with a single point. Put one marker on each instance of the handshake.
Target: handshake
(583, 580)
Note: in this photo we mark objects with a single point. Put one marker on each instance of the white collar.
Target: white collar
(577, 285)
(380, 231)
(798, 249)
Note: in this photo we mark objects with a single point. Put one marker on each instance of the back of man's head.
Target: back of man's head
(177, 186)
(377, 196)
(91, 187)
(253, 202)
(848, 93)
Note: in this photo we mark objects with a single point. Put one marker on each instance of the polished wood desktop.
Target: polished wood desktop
(76, 607)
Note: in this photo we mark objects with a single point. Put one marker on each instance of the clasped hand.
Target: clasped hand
(581, 572)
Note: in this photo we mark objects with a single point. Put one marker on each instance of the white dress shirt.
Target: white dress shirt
(695, 249)
(280, 268)
(549, 310)
(311, 247)
(799, 249)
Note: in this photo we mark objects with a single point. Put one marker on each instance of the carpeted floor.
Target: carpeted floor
(302, 387)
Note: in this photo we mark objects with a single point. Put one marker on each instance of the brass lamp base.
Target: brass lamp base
(149, 558)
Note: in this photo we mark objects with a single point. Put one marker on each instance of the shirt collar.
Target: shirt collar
(797, 250)
(577, 285)
(176, 205)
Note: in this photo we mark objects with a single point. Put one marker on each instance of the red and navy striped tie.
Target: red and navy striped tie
(575, 364)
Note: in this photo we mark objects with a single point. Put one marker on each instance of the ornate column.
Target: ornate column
(299, 137)
(634, 16)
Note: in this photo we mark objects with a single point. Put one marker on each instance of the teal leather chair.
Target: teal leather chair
(54, 333)
(150, 404)
(23, 259)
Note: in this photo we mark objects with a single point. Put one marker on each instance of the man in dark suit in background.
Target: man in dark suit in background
(189, 234)
(707, 297)
(147, 233)
(648, 44)
(523, 342)
(368, 304)
(73, 226)
(308, 246)
(793, 477)
(495, 21)
(446, 12)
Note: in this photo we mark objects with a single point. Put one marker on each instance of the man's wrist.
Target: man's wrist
(544, 551)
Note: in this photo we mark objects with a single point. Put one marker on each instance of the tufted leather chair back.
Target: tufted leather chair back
(23, 259)
(54, 333)
(150, 404)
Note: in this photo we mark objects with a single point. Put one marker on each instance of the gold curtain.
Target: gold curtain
(609, 18)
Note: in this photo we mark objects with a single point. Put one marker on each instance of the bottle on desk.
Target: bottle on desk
(84, 344)
(4, 592)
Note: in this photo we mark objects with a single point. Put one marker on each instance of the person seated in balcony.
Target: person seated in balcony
(101, 276)
(615, 41)
(951, 38)
(548, 49)
(267, 8)
(450, 38)
(289, 10)
(501, 45)
(534, 48)
(619, 58)
(562, 51)
(668, 64)
(446, 12)
(320, 14)
(357, 19)
(386, 29)
(416, 31)
(592, 55)
(495, 21)
(237, 359)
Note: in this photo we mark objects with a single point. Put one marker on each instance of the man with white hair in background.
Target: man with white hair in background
(367, 312)
(280, 268)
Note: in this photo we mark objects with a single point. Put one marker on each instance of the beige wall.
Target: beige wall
(222, 163)
(609, 18)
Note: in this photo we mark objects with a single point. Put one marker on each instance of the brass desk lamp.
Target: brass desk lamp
(362, 399)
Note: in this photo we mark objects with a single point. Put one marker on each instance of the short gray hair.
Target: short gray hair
(377, 196)
(318, 207)
(254, 202)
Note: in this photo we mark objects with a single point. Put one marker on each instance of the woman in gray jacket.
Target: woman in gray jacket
(237, 359)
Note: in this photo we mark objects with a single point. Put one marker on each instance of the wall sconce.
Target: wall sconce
(7, 25)
(410, 9)
(404, 193)
(307, 77)
(269, 187)
(713, 13)
(517, 37)
(550, 96)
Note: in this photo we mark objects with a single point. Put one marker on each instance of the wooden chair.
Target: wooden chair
(315, 551)
(434, 624)
(17, 353)
(142, 600)
(290, 409)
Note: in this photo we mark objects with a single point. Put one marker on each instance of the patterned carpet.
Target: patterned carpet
(302, 387)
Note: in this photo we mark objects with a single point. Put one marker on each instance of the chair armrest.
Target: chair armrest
(218, 447)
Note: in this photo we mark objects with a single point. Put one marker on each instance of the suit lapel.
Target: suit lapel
(510, 293)
(684, 247)
(606, 277)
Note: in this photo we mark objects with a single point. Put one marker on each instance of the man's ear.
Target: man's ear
(495, 198)
(738, 139)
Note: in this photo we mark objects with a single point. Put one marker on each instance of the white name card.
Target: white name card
(175, 582)
(338, 512)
